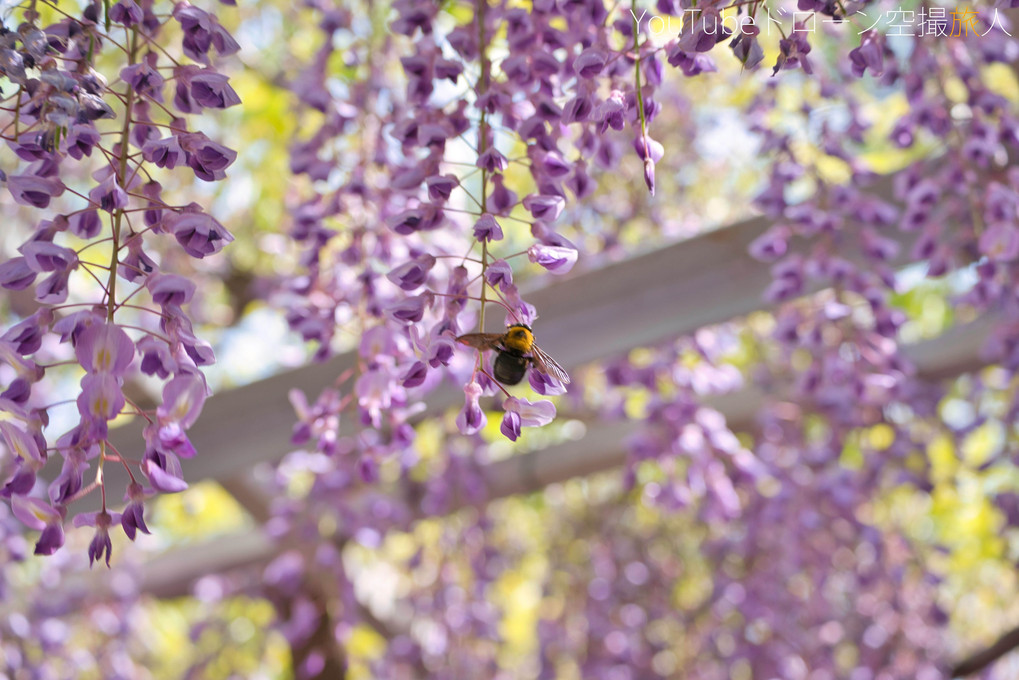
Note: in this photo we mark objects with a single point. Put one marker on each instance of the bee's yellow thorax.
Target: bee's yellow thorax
(518, 339)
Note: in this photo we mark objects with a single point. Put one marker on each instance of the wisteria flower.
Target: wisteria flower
(104, 347)
(51, 538)
(772, 244)
(101, 544)
(650, 152)
(499, 274)
(85, 224)
(81, 139)
(71, 478)
(101, 399)
(441, 186)
(415, 375)
(510, 426)
(201, 32)
(532, 414)
(590, 63)
(492, 160)
(33, 190)
(556, 259)
(208, 88)
(21, 442)
(409, 310)
(413, 274)
(144, 77)
(45, 256)
(109, 195)
(869, 55)
(34, 513)
(487, 229)
(377, 391)
(523, 413)
(126, 12)
(15, 274)
(26, 337)
(199, 233)
(165, 153)
(501, 199)
(544, 207)
(161, 479)
(545, 384)
(208, 159)
(183, 398)
(53, 289)
(471, 418)
(170, 290)
(157, 358)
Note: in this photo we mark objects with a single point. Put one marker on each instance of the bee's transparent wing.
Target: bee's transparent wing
(481, 341)
(549, 366)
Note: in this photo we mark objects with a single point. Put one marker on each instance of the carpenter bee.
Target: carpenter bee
(516, 349)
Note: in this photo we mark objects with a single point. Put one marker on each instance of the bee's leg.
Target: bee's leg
(495, 382)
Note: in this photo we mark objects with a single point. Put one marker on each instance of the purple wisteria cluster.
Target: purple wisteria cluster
(502, 127)
(93, 115)
(477, 147)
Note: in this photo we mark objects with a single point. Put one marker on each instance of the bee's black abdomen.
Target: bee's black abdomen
(509, 368)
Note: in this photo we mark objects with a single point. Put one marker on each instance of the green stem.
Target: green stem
(118, 216)
(486, 68)
(636, 75)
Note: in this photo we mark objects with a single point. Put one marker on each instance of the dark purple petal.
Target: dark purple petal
(212, 90)
(501, 199)
(164, 153)
(162, 480)
(85, 224)
(43, 256)
(590, 63)
(170, 289)
(109, 195)
(416, 375)
(199, 233)
(413, 274)
(157, 359)
(126, 12)
(81, 139)
(208, 159)
(510, 426)
(50, 540)
(34, 191)
(15, 274)
(499, 274)
(409, 310)
(487, 229)
(441, 186)
(492, 160)
(144, 78)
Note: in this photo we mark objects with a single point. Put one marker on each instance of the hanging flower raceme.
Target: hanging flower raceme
(70, 125)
